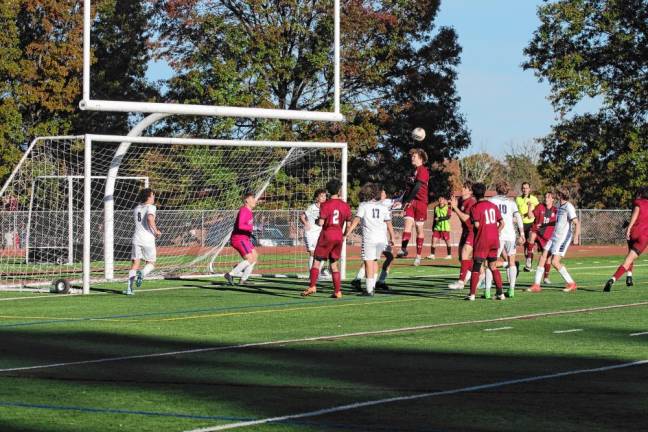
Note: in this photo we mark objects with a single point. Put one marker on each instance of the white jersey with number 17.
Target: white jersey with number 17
(374, 216)
(143, 233)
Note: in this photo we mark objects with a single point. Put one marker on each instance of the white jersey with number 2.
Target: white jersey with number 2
(143, 233)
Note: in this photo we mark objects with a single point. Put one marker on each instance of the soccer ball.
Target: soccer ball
(418, 134)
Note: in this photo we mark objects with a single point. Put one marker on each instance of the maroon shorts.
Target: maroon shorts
(467, 238)
(443, 235)
(541, 242)
(243, 245)
(417, 210)
(638, 243)
(326, 248)
(485, 250)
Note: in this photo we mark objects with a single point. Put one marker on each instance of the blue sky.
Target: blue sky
(502, 103)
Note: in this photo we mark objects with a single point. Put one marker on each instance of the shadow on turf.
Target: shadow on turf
(277, 380)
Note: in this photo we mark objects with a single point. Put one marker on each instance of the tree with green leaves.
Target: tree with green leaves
(595, 49)
(399, 72)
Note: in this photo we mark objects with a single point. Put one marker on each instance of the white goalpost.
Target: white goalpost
(62, 183)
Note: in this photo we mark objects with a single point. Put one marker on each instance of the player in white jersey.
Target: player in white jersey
(377, 231)
(557, 246)
(311, 229)
(507, 237)
(143, 243)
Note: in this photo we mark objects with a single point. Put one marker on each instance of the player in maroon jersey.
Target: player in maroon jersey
(543, 226)
(462, 208)
(637, 236)
(334, 213)
(415, 203)
(487, 223)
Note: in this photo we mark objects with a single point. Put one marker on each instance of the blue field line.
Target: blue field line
(178, 312)
(119, 411)
(92, 410)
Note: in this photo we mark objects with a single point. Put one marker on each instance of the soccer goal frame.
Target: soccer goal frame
(87, 103)
(91, 140)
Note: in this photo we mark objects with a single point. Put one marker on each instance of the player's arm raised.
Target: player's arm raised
(454, 204)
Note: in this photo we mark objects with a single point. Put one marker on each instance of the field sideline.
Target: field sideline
(200, 355)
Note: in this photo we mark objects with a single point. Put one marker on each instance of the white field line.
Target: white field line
(567, 331)
(639, 334)
(419, 396)
(320, 338)
(497, 329)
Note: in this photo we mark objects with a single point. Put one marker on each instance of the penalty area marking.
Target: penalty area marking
(497, 329)
(419, 396)
(567, 331)
(320, 338)
(639, 334)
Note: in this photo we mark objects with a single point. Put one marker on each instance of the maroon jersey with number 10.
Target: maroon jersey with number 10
(487, 215)
(335, 213)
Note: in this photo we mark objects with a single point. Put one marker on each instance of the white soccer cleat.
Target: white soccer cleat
(431, 256)
(417, 261)
(500, 297)
(448, 257)
(470, 297)
(546, 281)
(459, 285)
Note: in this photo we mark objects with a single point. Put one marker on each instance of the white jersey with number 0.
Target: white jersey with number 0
(374, 216)
(510, 213)
(312, 214)
(564, 217)
(143, 233)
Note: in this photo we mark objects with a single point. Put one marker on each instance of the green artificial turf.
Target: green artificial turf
(193, 372)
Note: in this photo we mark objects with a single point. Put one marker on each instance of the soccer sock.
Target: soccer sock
(474, 280)
(511, 272)
(314, 275)
(238, 270)
(337, 281)
(406, 238)
(371, 285)
(565, 274)
(361, 273)
(383, 276)
(311, 259)
(449, 250)
(529, 250)
(489, 279)
(619, 273)
(630, 269)
(131, 278)
(547, 269)
(419, 246)
(432, 249)
(389, 257)
(468, 277)
(497, 277)
(148, 268)
(465, 268)
(538, 275)
(247, 272)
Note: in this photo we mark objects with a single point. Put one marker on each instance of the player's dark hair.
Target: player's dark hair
(247, 195)
(333, 186)
(468, 184)
(502, 188)
(421, 154)
(563, 193)
(479, 190)
(642, 193)
(525, 183)
(367, 192)
(318, 192)
(144, 195)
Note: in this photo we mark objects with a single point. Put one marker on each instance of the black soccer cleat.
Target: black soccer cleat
(356, 285)
(629, 281)
(382, 286)
(608, 285)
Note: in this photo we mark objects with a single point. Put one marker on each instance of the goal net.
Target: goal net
(53, 198)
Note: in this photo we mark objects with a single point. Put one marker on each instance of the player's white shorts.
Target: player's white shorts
(372, 251)
(146, 252)
(310, 238)
(558, 245)
(507, 246)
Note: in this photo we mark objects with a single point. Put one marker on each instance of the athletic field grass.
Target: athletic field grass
(196, 354)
